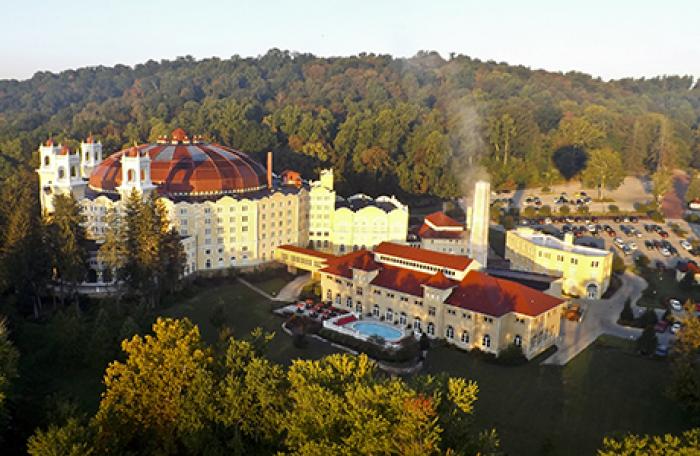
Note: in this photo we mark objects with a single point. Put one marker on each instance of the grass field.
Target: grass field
(567, 410)
(244, 310)
(662, 287)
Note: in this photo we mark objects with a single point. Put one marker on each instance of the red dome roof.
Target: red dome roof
(187, 169)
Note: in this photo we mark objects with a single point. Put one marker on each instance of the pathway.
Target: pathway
(288, 293)
(600, 317)
(673, 202)
(292, 290)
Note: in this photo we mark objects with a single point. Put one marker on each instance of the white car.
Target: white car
(686, 245)
(665, 252)
(675, 304)
(675, 327)
(632, 245)
(619, 242)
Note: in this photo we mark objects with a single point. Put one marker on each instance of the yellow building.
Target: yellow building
(444, 296)
(300, 258)
(442, 233)
(585, 271)
(342, 225)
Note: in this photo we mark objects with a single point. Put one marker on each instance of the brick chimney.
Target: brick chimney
(269, 170)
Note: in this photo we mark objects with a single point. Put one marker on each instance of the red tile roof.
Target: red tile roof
(402, 280)
(305, 251)
(444, 260)
(428, 233)
(343, 265)
(439, 218)
(440, 280)
(486, 294)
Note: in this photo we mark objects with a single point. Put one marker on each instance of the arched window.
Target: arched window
(465, 337)
(402, 318)
(337, 299)
(389, 315)
(131, 176)
(375, 310)
(73, 171)
(348, 302)
(486, 341)
(329, 295)
(47, 160)
(61, 172)
(416, 325)
(208, 264)
(518, 341)
(358, 307)
(431, 328)
(143, 174)
(450, 333)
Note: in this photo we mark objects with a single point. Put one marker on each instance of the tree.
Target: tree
(501, 132)
(66, 234)
(663, 445)
(71, 439)
(9, 357)
(647, 341)
(627, 315)
(604, 170)
(685, 386)
(160, 395)
(661, 182)
(693, 191)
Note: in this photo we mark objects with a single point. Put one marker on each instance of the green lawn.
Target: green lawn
(272, 286)
(568, 410)
(245, 310)
(662, 286)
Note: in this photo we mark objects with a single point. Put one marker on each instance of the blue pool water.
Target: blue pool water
(370, 329)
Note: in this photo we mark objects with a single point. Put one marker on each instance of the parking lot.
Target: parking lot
(627, 236)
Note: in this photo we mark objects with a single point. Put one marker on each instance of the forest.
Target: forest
(425, 125)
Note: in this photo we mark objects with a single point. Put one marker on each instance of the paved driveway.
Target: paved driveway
(600, 317)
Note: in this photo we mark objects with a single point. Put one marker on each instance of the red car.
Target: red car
(663, 234)
(661, 326)
(611, 233)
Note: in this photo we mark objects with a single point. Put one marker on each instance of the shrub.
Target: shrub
(508, 222)
(613, 209)
(583, 209)
(648, 318)
(546, 210)
(529, 212)
(565, 210)
(647, 342)
(406, 351)
(693, 218)
(512, 355)
(642, 262)
(655, 216)
(627, 316)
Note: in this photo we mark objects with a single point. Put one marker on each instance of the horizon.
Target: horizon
(625, 40)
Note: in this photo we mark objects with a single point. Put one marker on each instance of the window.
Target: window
(465, 337)
(348, 302)
(594, 264)
(486, 341)
(389, 315)
(450, 333)
(518, 341)
(375, 311)
(416, 325)
(329, 295)
(431, 328)
(402, 318)
(431, 311)
(337, 299)
(358, 307)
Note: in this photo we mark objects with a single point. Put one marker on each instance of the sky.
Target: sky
(610, 39)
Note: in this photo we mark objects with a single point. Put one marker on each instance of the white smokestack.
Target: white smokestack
(479, 227)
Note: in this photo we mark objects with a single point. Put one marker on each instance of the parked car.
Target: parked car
(663, 234)
(661, 326)
(675, 327)
(632, 245)
(648, 244)
(675, 304)
(686, 245)
(574, 313)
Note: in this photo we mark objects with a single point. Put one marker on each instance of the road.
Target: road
(600, 317)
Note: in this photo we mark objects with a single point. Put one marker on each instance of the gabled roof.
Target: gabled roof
(483, 293)
(439, 280)
(426, 232)
(440, 219)
(400, 279)
(343, 265)
(444, 260)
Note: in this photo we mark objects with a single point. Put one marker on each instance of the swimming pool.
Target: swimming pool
(377, 329)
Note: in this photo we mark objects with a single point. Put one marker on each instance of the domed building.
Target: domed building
(226, 205)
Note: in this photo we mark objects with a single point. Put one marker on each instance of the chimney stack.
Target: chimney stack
(269, 170)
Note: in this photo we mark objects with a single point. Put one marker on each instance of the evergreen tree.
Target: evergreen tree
(8, 368)
(647, 341)
(627, 315)
(66, 234)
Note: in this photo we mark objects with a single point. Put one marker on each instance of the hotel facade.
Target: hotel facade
(444, 296)
(585, 271)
